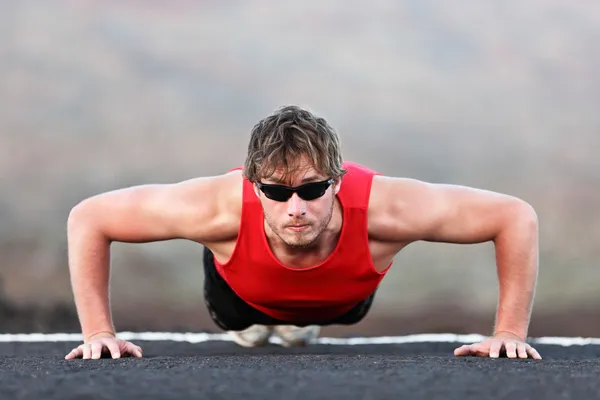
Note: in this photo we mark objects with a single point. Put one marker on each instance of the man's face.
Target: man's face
(298, 222)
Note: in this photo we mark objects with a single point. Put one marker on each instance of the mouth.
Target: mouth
(297, 228)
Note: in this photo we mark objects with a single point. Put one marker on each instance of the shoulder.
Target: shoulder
(388, 189)
(398, 204)
(405, 210)
(228, 193)
(213, 204)
(223, 190)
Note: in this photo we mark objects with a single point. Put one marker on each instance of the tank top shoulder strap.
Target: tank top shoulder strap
(248, 189)
(356, 185)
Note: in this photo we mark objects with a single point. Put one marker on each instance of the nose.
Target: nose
(296, 206)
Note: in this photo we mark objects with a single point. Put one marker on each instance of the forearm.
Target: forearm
(89, 267)
(517, 269)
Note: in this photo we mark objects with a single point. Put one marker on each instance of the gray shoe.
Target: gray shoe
(253, 336)
(294, 336)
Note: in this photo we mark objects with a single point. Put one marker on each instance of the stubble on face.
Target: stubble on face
(303, 239)
(318, 218)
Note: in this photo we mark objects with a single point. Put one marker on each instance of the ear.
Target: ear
(338, 186)
(256, 190)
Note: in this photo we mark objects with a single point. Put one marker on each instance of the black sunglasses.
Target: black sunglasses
(308, 191)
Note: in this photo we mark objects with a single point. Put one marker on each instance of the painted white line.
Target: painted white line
(419, 338)
(566, 341)
(205, 337)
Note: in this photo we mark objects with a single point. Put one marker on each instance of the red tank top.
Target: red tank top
(322, 292)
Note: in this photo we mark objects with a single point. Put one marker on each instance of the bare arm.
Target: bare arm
(405, 210)
(197, 210)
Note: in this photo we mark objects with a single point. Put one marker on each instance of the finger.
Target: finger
(113, 347)
(76, 352)
(137, 351)
(522, 350)
(495, 349)
(134, 350)
(480, 349)
(463, 350)
(97, 347)
(476, 349)
(87, 351)
(533, 353)
(511, 349)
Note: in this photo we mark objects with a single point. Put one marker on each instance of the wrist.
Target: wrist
(509, 332)
(97, 334)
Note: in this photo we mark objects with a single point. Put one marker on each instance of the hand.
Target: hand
(512, 345)
(111, 345)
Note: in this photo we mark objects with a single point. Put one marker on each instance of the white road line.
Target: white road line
(205, 337)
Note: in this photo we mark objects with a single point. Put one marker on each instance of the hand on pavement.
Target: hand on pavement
(501, 343)
(110, 345)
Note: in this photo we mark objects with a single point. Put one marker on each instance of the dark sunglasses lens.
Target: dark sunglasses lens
(313, 191)
(308, 191)
(276, 193)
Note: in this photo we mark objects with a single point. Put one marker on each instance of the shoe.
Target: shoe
(253, 336)
(294, 336)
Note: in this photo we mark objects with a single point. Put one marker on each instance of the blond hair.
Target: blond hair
(283, 138)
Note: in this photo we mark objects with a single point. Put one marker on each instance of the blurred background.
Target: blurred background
(501, 95)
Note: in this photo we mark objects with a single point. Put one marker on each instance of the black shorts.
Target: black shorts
(231, 313)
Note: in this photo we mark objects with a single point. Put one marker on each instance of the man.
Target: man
(297, 239)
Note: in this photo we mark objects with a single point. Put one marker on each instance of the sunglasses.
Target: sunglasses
(308, 191)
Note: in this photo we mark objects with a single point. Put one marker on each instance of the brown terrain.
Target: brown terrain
(100, 95)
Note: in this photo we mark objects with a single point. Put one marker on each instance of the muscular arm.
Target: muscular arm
(198, 210)
(405, 210)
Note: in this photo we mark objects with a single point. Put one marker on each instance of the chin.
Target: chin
(300, 242)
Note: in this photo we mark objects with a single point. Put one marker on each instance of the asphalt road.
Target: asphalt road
(223, 370)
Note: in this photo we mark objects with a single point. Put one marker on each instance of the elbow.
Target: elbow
(84, 224)
(527, 213)
(518, 224)
(76, 215)
(523, 215)
(81, 217)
